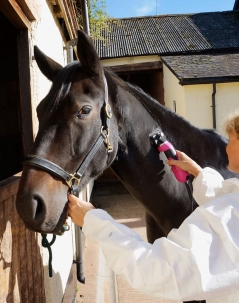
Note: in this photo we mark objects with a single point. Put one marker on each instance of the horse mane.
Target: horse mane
(160, 113)
(179, 131)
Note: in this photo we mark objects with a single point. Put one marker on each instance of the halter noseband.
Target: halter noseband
(73, 180)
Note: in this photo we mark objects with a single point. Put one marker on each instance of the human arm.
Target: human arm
(196, 261)
(207, 181)
(207, 186)
(125, 251)
(185, 163)
(130, 257)
(192, 264)
(77, 209)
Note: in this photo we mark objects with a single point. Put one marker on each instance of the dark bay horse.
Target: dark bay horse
(72, 117)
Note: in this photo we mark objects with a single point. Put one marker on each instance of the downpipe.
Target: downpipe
(85, 16)
(78, 232)
(214, 122)
(79, 255)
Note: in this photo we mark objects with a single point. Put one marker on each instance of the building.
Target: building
(24, 262)
(190, 61)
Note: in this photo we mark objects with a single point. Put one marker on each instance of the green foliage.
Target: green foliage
(98, 17)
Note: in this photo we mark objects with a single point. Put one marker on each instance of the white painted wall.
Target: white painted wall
(194, 102)
(46, 35)
(173, 92)
(198, 102)
(227, 101)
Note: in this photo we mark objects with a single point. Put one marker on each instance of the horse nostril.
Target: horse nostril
(37, 207)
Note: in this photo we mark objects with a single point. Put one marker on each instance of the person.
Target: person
(197, 261)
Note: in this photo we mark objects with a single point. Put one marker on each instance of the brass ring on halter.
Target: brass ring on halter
(108, 110)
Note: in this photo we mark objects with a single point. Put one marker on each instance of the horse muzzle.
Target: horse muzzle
(35, 204)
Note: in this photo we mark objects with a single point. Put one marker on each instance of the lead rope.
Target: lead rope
(75, 192)
(45, 243)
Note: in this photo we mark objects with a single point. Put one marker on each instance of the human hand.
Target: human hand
(185, 163)
(77, 209)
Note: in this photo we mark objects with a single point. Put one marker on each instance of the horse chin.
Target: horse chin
(48, 227)
(61, 222)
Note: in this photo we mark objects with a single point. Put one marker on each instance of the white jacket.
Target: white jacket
(197, 261)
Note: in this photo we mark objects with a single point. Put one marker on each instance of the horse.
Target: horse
(92, 117)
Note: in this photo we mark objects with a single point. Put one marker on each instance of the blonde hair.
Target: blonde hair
(232, 123)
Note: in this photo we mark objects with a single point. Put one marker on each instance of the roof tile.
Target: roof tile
(204, 66)
(170, 34)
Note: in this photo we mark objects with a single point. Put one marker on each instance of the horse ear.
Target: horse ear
(48, 66)
(87, 54)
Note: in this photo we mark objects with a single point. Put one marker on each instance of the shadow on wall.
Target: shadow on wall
(21, 269)
(53, 288)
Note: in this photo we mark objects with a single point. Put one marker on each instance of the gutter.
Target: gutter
(207, 80)
(236, 5)
(85, 16)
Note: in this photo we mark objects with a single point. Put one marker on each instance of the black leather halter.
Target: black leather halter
(73, 180)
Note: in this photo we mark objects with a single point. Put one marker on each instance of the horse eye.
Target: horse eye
(84, 111)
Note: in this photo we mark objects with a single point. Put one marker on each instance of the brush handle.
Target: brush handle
(170, 152)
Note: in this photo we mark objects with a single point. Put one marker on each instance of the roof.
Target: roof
(68, 13)
(170, 34)
(236, 5)
(204, 68)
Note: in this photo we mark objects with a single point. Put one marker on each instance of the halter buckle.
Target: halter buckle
(72, 179)
(109, 148)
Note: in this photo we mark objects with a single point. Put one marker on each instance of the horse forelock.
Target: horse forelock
(59, 90)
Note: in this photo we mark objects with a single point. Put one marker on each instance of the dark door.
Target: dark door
(11, 150)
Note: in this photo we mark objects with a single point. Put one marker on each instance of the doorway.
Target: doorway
(150, 82)
(11, 150)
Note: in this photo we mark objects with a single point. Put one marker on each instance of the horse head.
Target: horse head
(74, 117)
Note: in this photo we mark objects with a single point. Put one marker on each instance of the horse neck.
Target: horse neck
(153, 115)
(183, 135)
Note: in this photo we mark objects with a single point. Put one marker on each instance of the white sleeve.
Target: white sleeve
(139, 262)
(191, 264)
(207, 185)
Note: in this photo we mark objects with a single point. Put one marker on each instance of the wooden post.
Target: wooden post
(15, 14)
(25, 90)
